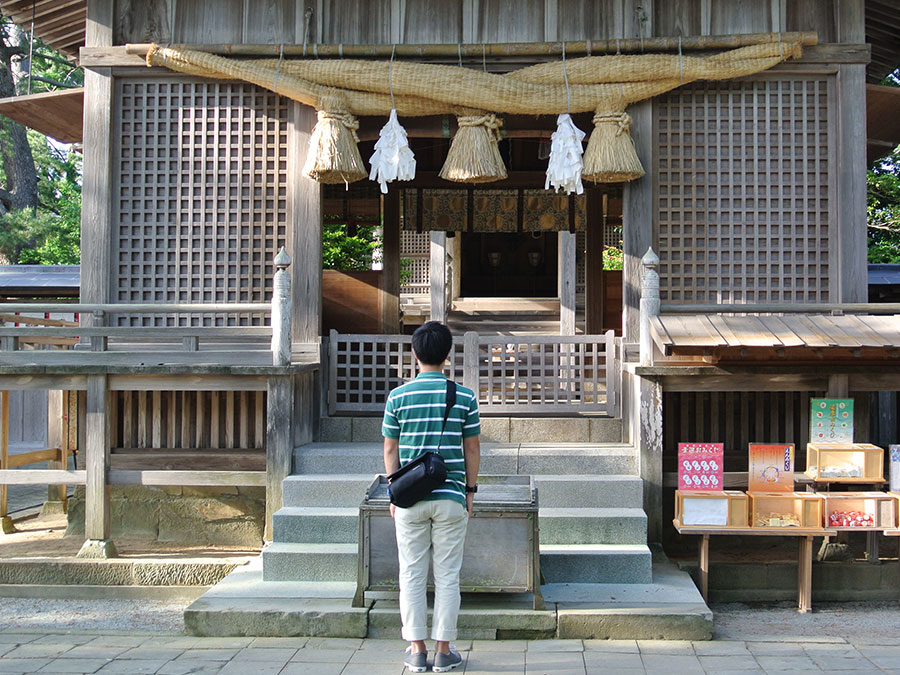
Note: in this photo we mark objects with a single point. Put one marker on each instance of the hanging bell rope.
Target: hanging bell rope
(474, 156)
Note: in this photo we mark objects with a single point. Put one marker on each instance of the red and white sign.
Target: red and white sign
(700, 466)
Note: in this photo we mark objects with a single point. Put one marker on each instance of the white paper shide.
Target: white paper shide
(566, 161)
(393, 159)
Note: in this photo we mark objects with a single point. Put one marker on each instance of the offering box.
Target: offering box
(711, 508)
(845, 463)
(784, 510)
(860, 510)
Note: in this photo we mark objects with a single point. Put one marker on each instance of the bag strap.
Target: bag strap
(451, 401)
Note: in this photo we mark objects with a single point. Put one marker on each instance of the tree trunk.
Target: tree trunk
(20, 190)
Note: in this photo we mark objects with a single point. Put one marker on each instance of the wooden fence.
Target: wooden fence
(547, 374)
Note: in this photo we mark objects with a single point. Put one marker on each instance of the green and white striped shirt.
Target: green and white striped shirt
(413, 414)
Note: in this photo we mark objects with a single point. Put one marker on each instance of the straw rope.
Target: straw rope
(428, 89)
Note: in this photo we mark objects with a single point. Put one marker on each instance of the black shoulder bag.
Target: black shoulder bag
(415, 481)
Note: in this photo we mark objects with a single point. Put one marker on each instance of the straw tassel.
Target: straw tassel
(333, 155)
(474, 156)
(565, 165)
(610, 156)
(393, 159)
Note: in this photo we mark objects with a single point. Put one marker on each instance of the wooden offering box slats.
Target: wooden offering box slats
(807, 509)
(881, 507)
(711, 508)
(845, 463)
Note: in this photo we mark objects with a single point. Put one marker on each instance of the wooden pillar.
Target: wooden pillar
(56, 494)
(594, 293)
(438, 276)
(567, 274)
(390, 272)
(649, 305)
(96, 462)
(97, 235)
(6, 524)
(305, 236)
(279, 443)
(637, 219)
(849, 214)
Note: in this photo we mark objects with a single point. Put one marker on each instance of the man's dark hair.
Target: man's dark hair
(432, 342)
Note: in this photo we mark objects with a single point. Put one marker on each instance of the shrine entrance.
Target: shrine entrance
(509, 264)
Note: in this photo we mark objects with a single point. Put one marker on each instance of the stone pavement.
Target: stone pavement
(134, 652)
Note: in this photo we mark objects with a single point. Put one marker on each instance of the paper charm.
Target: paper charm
(566, 161)
(393, 159)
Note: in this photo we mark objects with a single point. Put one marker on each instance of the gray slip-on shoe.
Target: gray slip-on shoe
(417, 663)
(444, 663)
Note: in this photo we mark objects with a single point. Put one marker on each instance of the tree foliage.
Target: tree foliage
(883, 202)
(349, 251)
(40, 179)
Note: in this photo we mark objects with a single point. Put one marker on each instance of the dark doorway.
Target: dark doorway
(509, 265)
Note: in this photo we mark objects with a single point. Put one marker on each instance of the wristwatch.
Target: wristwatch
(471, 488)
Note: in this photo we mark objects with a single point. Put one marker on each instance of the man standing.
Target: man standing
(413, 425)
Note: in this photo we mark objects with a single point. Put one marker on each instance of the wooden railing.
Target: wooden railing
(550, 374)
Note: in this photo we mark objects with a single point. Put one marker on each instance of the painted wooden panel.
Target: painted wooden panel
(270, 21)
(739, 16)
(817, 15)
(587, 19)
(743, 186)
(143, 21)
(200, 207)
(508, 21)
(195, 22)
(356, 21)
(427, 22)
(677, 17)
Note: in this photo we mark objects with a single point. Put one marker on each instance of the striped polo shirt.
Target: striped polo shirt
(413, 414)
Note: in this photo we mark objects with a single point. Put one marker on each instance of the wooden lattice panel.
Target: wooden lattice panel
(415, 247)
(201, 198)
(744, 191)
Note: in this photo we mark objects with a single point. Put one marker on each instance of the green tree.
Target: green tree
(883, 201)
(353, 250)
(40, 179)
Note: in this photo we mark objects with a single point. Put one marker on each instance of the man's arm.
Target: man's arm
(391, 455)
(472, 453)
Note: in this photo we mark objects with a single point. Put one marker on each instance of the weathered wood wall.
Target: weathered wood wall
(838, 245)
(351, 301)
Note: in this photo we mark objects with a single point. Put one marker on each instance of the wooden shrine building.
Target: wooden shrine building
(204, 360)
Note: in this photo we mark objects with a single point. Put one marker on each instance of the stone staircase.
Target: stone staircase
(592, 526)
(600, 577)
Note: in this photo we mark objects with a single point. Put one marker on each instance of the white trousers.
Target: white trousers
(437, 527)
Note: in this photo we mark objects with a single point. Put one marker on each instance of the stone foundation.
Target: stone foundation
(191, 515)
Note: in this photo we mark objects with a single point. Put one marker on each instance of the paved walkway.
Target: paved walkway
(171, 654)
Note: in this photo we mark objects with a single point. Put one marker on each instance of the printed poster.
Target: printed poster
(771, 468)
(700, 466)
(831, 420)
(894, 454)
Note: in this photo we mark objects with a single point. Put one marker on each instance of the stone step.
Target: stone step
(242, 604)
(329, 490)
(340, 525)
(500, 458)
(592, 526)
(326, 489)
(309, 562)
(573, 563)
(493, 429)
(596, 563)
(316, 524)
(590, 491)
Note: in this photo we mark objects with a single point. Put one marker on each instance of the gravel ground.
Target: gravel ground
(850, 620)
(95, 615)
